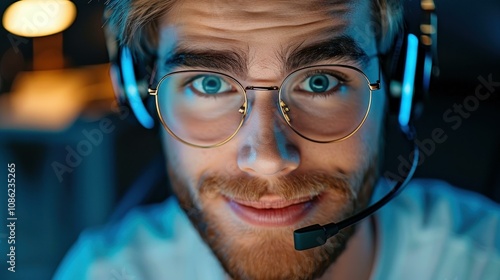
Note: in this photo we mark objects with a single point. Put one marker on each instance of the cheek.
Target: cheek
(353, 154)
(190, 163)
(180, 159)
(373, 126)
(346, 157)
(369, 137)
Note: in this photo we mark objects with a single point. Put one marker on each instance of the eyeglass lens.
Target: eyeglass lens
(323, 103)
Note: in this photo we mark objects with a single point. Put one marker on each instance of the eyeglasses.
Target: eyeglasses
(322, 103)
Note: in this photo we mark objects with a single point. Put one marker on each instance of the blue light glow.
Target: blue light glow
(408, 81)
(132, 92)
(427, 71)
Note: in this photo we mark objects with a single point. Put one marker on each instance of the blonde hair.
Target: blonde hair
(134, 23)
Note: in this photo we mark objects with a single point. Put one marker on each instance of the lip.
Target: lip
(272, 212)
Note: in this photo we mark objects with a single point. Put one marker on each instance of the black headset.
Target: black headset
(411, 64)
(408, 69)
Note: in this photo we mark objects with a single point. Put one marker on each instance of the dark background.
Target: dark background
(52, 213)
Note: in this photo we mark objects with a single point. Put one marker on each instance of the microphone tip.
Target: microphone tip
(309, 237)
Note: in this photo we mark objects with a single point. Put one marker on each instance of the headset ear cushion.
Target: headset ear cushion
(393, 67)
(131, 89)
(403, 70)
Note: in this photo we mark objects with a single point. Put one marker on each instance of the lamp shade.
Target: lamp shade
(36, 18)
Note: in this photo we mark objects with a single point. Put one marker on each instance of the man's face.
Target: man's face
(247, 196)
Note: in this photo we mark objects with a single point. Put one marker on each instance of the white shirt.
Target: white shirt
(430, 231)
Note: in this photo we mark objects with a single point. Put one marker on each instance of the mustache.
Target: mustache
(288, 187)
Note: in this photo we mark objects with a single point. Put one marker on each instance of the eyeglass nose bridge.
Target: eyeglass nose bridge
(258, 88)
(243, 109)
(282, 105)
(262, 88)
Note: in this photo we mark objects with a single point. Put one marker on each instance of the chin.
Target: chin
(259, 244)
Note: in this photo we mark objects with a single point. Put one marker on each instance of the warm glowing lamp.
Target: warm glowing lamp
(44, 20)
(36, 18)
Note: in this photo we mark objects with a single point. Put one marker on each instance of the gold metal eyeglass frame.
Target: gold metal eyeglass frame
(283, 107)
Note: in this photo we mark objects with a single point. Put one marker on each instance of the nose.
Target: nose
(265, 149)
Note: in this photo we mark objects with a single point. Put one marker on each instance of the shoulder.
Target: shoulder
(437, 230)
(435, 204)
(149, 242)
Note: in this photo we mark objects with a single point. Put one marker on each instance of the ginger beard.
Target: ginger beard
(250, 252)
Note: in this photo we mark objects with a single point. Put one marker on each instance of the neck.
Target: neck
(357, 261)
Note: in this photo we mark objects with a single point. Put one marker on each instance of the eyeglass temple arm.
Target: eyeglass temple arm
(151, 90)
(376, 85)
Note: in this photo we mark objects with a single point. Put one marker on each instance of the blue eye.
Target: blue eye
(319, 83)
(210, 84)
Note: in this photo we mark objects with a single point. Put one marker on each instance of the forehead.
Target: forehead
(263, 30)
(259, 16)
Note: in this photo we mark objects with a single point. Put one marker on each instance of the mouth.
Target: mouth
(272, 211)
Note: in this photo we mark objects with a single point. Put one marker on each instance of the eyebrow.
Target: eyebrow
(220, 60)
(339, 48)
